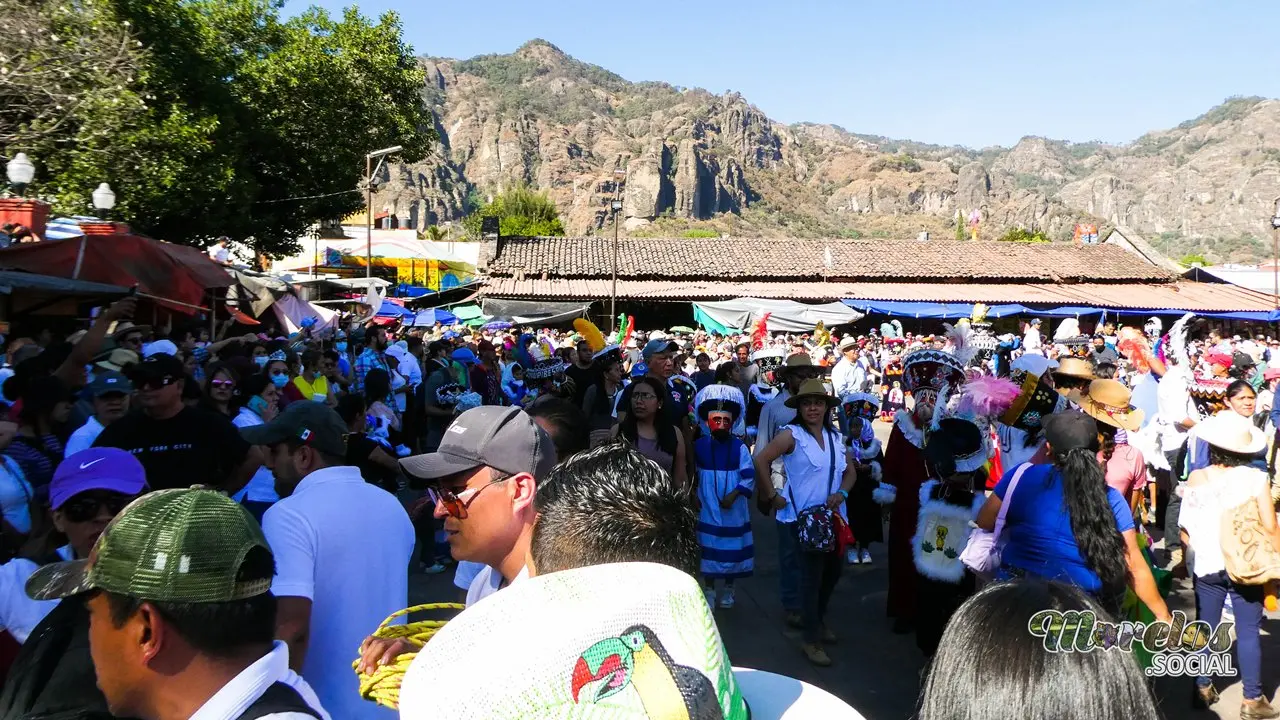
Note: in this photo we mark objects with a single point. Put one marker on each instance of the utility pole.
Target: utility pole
(1275, 254)
(368, 205)
(615, 205)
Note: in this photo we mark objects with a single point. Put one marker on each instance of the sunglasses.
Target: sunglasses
(274, 373)
(454, 504)
(155, 383)
(222, 383)
(643, 396)
(83, 508)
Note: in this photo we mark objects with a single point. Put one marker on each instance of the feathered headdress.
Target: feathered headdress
(760, 332)
(1177, 342)
(987, 396)
(821, 335)
(1134, 347)
(961, 348)
(601, 354)
(622, 332)
(590, 333)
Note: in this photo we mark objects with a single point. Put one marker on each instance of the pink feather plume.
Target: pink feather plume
(988, 396)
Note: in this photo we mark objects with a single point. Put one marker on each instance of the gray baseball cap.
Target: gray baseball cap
(503, 438)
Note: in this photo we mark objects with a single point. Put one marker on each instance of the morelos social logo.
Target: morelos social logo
(1179, 647)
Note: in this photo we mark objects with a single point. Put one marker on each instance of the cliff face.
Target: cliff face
(677, 155)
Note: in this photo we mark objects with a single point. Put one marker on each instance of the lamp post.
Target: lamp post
(1275, 254)
(104, 199)
(368, 212)
(20, 171)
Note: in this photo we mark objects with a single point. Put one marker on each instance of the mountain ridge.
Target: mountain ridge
(695, 160)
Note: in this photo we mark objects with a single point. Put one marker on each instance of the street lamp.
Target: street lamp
(20, 171)
(368, 212)
(1275, 253)
(104, 199)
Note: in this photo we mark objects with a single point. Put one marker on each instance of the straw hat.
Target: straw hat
(1233, 433)
(812, 388)
(1110, 402)
(1075, 367)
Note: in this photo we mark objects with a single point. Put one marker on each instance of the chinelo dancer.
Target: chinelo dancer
(725, 479)
(930, 376)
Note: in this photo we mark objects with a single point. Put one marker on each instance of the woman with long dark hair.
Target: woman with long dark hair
(1064, 523)
(37, 448)
(989, 667)
(598, 400)
(1230, 481)
(648, 428)
(818, 474)
(220, 389)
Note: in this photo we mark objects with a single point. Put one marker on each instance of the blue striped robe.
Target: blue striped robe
(725, 535)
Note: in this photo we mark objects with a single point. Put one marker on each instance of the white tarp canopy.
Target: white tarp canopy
(291, 311)
(784, 315)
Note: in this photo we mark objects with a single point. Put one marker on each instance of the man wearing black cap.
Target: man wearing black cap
(110, 392)
(178, 445)
(341, 547)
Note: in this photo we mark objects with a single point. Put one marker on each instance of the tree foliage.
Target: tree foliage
(1024, 236)
(520, 211)
(236, 122)
(1194, 260)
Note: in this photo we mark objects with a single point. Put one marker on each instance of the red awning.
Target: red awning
(176, 276)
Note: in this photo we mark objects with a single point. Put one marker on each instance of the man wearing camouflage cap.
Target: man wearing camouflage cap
(181, 617)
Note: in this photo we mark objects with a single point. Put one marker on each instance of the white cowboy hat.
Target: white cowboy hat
(1233, 433)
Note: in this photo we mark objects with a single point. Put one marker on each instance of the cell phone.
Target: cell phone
(133, 291)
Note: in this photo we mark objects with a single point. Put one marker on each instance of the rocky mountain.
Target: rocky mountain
(685, 159)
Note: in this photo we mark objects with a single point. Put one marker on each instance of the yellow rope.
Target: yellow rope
(383, 686)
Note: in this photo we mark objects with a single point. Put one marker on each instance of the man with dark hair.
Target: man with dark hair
(181, 617)
(564, 422)
(612, 505)
(342, 547)
(582, 371)
(177, 444)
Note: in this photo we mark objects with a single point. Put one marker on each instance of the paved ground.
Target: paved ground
(875, 671)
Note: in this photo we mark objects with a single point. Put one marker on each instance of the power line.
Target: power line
(305, 197)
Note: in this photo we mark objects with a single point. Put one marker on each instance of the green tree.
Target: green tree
(434, 233)
(251, 126)
(520, 211)
(1194, 260)
(961, 233)
(1023, 235)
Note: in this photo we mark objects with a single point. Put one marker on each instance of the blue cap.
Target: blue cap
(109, 382)
(639, 369)
(464, 356)
(657, 346)
(96, 469)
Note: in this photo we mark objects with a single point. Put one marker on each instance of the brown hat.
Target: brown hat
(124, 328)
(1109, 402)
(1075, 367)
(798, 360)
(812, 388)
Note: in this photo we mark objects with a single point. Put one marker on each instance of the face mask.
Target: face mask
(257, 404)
(341, 346)
(261, 361)
(280, 380)
(721, 426)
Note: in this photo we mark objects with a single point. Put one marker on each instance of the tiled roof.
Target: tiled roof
(1183, 295)
(741, 259)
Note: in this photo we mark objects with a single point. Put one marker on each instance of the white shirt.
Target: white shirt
(1203, 506)
(810, 480)
(487, 582)
(218, 253)
(1031, 341)
(1174, 401)
(465, 573)
(345, 545)
(262, 486)
(83, 438)
(244, 689)
(844, 378)
(20, 614)
(15, 495)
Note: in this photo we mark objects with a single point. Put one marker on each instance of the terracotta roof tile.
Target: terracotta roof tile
(741, 258)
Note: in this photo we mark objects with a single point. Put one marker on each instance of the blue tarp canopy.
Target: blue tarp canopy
(940, 311)
(944, 311)
(428, 317)
(390, 309)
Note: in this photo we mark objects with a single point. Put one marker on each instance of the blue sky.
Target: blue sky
(971, 72)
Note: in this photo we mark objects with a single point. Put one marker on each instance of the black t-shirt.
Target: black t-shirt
(679, 401)
(359, 448)
(703, 378)
(582, 378)
(194, 447)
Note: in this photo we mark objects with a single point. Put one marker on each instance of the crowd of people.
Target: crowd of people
(198, 523)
